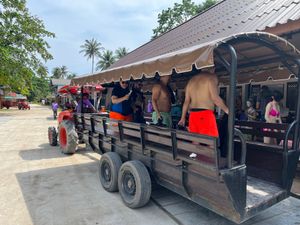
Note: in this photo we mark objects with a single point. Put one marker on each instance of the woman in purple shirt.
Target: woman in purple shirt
(87, 105)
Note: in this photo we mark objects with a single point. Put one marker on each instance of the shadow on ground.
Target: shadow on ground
(73, 195)
(46, 151)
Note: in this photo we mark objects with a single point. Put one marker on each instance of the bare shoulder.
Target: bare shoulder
(156, 88)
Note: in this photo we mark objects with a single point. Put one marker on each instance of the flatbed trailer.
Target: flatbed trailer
(238, 183)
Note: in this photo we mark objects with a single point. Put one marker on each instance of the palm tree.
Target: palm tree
(91, 49)
(56, 73)
(106, 60)
(71, 75)
(120, 52)
(64, 71)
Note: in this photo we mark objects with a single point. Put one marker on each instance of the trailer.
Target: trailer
(238, 181)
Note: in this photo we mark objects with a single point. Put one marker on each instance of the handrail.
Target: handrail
(285, 146)
(239, 134)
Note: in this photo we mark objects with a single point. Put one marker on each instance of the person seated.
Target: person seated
(251, 112)
(87, 106)
(161, 101)
(120, 105)
(201, 97)
(137, 100)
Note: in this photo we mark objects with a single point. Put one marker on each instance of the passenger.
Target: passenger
(272, 115)
(87, 105)
(251, 112)
(120, 107)
(137, 100)
(161, 101)
(200, 98)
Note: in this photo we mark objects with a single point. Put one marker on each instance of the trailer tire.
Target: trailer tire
(109, 167)
(68, 138)
(52, 136)
(134, 184)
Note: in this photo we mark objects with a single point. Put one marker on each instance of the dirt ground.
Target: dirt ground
(39, 185)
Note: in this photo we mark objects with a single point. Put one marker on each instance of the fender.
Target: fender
(65, 115)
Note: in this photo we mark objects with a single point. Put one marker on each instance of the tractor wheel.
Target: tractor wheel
(134, 184)
(68, 138)
(52, 136)
(109, 166)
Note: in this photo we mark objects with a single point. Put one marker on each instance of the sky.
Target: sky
(114, 23)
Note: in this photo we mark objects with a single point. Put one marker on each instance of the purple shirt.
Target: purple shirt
(86, 104)
(54, 106)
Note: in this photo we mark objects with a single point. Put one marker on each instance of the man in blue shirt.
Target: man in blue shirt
(121, 107)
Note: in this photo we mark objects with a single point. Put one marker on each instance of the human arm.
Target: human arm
(213, 90)
(185, 107)
(116, 100)
(267, 112)
(155, 96)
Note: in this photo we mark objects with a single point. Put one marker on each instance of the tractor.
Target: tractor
(66, 134)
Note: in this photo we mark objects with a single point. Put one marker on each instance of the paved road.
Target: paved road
(41, 186)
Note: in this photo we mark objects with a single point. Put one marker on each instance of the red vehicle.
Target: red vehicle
(66, 133)
(23, 104)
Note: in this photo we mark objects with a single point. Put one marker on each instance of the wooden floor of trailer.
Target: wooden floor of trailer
(185, 212)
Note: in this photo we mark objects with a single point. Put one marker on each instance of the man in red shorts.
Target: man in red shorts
(201, 96)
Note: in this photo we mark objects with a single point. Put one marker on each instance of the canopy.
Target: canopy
(254, 57)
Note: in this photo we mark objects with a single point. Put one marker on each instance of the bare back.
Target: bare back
(199, 90)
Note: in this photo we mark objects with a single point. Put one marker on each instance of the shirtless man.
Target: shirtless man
(161, 101)
(200, 98)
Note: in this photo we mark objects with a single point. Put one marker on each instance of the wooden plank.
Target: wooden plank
(255, 124)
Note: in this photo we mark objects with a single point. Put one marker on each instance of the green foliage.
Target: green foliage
(181, 12)
(22, 46)
(40, 89)
(91, 49)
(121, 52)
(62, 73)
(106, 60)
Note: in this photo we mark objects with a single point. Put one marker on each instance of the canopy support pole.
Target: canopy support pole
(296, 138)
(231, 106)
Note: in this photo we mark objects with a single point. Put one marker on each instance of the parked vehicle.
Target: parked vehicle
(23, 104)
(237, 183)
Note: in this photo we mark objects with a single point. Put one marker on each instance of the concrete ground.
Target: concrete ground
(39, 185)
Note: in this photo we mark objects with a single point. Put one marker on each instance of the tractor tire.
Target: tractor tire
(52, 136)
(109, 167)
(134, 184)
(68, 138)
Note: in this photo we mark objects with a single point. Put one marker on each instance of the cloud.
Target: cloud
(115, 23)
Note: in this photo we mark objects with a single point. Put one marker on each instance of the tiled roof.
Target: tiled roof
(224, 19)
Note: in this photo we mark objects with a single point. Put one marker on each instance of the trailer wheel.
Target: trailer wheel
(52, 136)
(134, 184)
(68, 138)
(109, 166)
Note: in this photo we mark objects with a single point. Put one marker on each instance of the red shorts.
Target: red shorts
(119, 116)
(203, 122)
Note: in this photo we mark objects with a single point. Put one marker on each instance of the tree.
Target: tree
(57, 73)
(181, 12)
(62, 73)
(91, 49)
(22, 45)
(71, 75)
(106, 60)
(121, 52)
